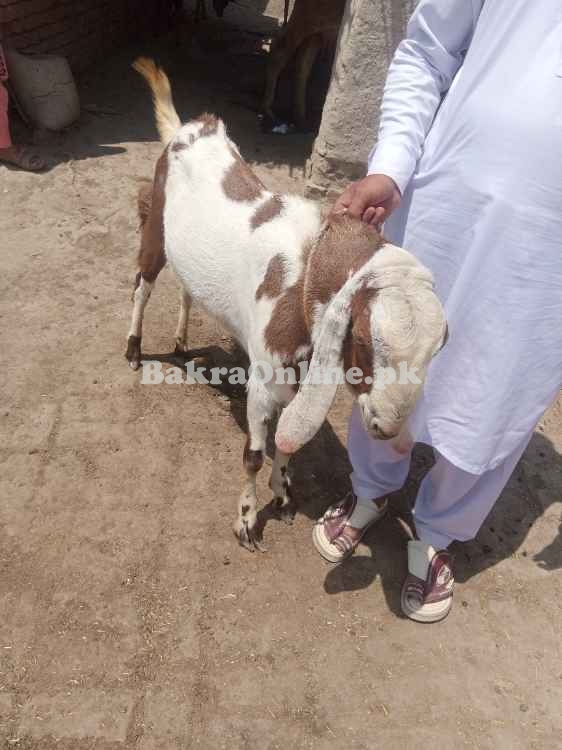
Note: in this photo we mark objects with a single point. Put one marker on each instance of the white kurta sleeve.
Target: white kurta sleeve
(421, 72)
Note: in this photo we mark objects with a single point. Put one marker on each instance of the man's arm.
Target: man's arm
(421, 72)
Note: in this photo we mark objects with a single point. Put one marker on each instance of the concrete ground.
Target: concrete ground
(130, 617)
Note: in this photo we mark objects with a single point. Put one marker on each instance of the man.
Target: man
(18, 156)
(466, 174)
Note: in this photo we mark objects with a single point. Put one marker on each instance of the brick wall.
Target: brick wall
(80, 30)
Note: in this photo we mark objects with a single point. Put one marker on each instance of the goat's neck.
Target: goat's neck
(343, 247)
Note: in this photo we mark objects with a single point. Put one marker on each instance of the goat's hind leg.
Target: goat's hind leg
(151, 261)
(183, 322)
(141, 295)
(260, 407)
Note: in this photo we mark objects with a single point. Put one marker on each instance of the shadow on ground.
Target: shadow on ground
(320, 474)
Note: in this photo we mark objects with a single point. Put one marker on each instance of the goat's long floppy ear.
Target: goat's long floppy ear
(303, 417)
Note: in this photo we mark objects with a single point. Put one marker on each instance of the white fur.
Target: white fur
(211, 245)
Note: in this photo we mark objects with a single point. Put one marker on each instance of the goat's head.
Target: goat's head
(386, 321)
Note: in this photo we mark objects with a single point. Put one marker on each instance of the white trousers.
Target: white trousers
(451, 503)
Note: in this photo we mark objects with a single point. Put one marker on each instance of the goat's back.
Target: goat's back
(222, 226)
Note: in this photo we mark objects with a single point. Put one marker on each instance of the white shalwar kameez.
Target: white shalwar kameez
(471, 132)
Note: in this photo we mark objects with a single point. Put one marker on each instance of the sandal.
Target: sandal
(332, 535)
(22, 157)
(427, 593)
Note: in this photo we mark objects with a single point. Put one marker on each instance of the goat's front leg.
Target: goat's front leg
(281, 486)
(183, 321)
(260, 407)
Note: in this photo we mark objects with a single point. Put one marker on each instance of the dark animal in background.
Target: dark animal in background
(313, 26)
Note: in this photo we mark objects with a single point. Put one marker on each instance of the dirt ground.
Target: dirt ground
(129, 616)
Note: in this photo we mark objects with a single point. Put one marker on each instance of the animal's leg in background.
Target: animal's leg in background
(307, 54)
(259, 408)
(183, 321)
(286, 13)
(141, 295)
(282, 50)
(281, 486)
(5, 139)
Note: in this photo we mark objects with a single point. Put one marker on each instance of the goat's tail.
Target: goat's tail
(167, 119)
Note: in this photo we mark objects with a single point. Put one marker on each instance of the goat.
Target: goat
(288, 285)
(312, 26)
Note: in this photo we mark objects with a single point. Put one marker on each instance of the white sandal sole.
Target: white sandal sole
(420, 557)
(330, 551)
(433, 612)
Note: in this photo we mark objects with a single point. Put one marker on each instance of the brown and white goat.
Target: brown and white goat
(289, 286)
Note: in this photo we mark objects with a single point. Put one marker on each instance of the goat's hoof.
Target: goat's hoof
(287, 515)
(181, 347)
(133, 353)
(284, 510)
(247, 536)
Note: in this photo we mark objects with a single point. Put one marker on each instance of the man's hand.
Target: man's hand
(371, 199)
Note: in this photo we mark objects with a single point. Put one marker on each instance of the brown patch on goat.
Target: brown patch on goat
(253, 460)
(272, 284)
(344, 246)
(266, 212)
(240, 183)
(144, 202)
(210, 127)
(287, 330)
(152, 258)
(358, 344)
(210, 124)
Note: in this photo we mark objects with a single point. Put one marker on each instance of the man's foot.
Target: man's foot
(22, 157)
(341, 528)
(427, 593)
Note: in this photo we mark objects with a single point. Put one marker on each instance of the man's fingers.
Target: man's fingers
(344, 200)
(380, 214)
(359, 204)
(377, 217)
(371, 199)
(368, 215)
